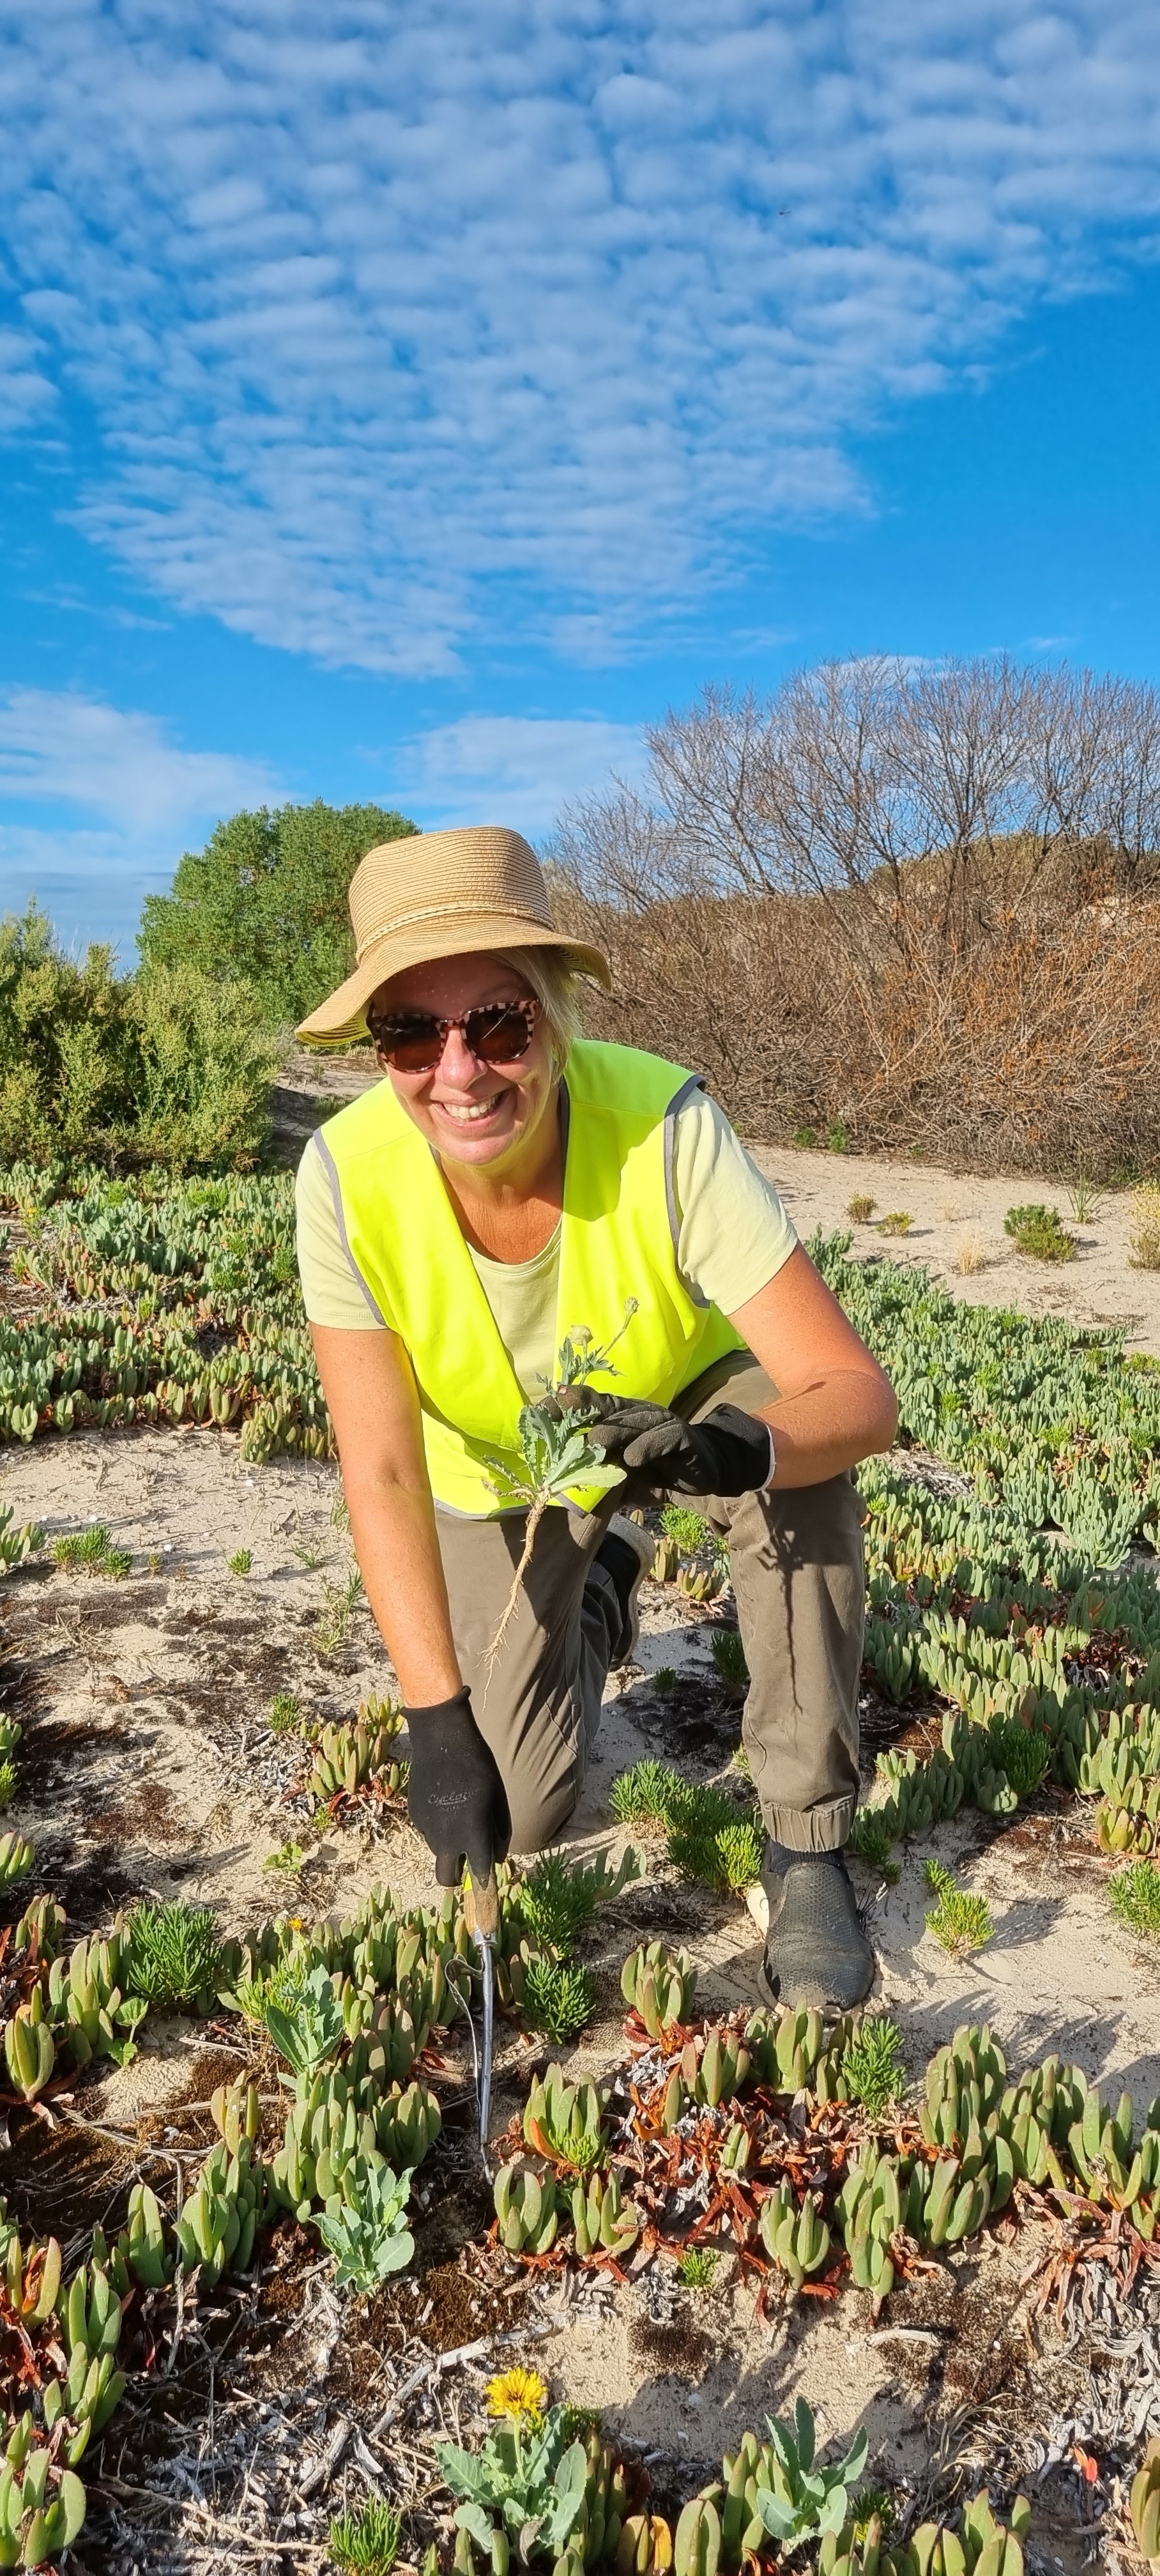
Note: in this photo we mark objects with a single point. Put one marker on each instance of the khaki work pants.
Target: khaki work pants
(797, 1567)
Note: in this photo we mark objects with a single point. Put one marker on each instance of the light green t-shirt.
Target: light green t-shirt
(733, 1236)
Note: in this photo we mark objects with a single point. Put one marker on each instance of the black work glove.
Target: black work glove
(455, 1793)
(730, 1452)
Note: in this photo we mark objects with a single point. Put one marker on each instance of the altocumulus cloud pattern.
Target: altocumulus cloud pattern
(384, 321)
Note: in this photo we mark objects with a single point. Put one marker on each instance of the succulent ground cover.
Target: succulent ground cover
(268, 2262)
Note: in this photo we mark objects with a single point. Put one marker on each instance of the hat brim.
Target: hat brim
(343, 1015)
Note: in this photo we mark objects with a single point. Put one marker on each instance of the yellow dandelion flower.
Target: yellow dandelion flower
(521, 2395)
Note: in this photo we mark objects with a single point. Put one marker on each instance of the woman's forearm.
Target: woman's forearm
(393, 1528)
(846, 1416)
(370, 1391)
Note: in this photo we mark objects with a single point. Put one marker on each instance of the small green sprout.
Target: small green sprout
(1024, 1755)
(872, 2504)
(645, 1793)
(728, 1654)
(664, 1679)
(725, 1856)
(366, 2543)
(289, 1855)
(690, 1530)
(1134, 1897)
(7, 1785)
(370, 2239)
(1040, 1233)
(898, 1221)
(558, 1998)
(339, 1601)
(861, 1208)
(959, 1922)
(242, 1561)
(873, 2065)
(870, 1840)
(91, 1551)
(173, 1953)
(697, 2268)
(284, 1715)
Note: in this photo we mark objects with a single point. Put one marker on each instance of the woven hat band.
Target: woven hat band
(397, 921)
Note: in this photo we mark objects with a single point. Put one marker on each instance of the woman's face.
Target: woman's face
(471, 1112)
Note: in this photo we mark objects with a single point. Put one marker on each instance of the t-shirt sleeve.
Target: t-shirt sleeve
(332, 1290)
(733, 1232)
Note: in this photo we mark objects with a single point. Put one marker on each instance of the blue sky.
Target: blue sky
(410, 403)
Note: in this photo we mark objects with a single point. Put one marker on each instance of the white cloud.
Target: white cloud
(393, 320)
(130, 801)
(517, 770)
(71, 750)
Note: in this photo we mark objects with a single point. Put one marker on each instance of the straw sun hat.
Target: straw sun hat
(441, 894)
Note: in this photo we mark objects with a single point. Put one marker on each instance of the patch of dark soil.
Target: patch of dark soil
(447, 2307)
(21, 1688)
(49, 1749)
(100, 1611)
(91, 1887)
(974, 2354)
(681, 2349)
(461, 2209)
(695, 1722)
(883, 1725)
(152, 1816)
(209, 2068)
(63, 2181)
(1046, 1840)
(655, 1912)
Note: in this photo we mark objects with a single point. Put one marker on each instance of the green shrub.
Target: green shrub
(1134, 1896)
(173, 1954)
(959, 1922)
(165, 1067)
(366, 2543)
(91, 1551)
(1040, 1233)
(558, 1998)
(266, 901)
(873, 2065)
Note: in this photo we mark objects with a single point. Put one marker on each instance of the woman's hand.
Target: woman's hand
(455, 1793)
(729, 1452)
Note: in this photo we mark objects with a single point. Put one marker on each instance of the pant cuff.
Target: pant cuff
(811, 1829)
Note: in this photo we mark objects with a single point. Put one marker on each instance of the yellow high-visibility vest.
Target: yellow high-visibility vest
(617, 1243)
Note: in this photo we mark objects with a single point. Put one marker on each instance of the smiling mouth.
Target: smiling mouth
(468, 1113)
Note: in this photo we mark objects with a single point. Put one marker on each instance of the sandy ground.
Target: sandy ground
(953, 1214)
(148, 1765)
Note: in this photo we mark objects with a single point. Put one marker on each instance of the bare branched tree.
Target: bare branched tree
(875, 902)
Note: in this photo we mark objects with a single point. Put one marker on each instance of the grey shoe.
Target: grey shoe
(816, 1950)
(626, 1552)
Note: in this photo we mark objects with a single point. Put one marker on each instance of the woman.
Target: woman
(509, 1182)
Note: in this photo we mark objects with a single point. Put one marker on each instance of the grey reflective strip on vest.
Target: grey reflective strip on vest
(695, 1083)
(340, 1220)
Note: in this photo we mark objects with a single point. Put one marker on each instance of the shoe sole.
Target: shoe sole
(812, 1998)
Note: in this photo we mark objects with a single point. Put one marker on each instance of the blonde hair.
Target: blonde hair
(551, 976)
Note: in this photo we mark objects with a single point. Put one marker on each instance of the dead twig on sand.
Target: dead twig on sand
(434, 2364)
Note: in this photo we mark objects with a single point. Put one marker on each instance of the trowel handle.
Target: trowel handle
(481, 1907)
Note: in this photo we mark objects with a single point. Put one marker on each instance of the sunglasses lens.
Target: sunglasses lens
(498, 1037)
(414, 1046)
